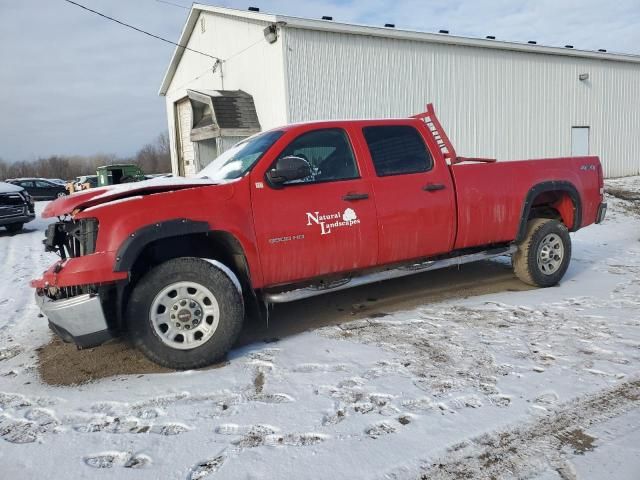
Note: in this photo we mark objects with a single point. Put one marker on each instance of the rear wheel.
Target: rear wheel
(61, 194)
(14, 227)
(185, 313)
(543, 257)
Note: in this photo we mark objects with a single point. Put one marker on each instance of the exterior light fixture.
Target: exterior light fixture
(583, 76)
(271, 33)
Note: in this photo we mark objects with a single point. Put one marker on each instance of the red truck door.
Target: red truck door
(414, 194)
(322, 224)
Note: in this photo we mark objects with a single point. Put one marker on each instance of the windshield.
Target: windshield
(239, 159)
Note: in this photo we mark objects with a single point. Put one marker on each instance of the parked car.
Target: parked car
(119, 173)
(59, 181)
(16, 207)
(40, 188)
(295, 212)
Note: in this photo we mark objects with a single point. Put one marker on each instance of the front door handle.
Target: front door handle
(350, 197)
(432, 187)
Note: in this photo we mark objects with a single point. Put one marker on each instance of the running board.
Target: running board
(398, 272)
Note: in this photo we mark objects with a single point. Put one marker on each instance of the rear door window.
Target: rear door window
(397, 150)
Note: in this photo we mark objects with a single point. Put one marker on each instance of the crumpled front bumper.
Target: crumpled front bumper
(78, 319)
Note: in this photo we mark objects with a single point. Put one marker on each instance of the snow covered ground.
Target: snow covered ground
(534, 384)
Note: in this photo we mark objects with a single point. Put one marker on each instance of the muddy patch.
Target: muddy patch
(630, 200)
(579, 441)
(527, 450)
(63, 364)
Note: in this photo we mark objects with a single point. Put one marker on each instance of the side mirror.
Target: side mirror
(288, 169)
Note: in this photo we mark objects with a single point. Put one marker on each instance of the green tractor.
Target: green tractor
(119, 173)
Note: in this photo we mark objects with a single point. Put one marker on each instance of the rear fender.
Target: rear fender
(571, 211)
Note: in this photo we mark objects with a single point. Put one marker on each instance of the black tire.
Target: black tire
(61, 194)
(14, 227)
(150, 287)
(546, 240)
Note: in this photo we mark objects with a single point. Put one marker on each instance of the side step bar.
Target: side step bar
(403, 271)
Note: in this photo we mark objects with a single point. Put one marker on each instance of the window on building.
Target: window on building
(397, 150)
(328, 152)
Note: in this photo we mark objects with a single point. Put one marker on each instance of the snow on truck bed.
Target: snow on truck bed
(537, 384)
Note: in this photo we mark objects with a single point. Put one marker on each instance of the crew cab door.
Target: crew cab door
(322, 224)
(414, 193)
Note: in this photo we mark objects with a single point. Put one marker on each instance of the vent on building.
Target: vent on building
(254, 9)
(219, 113)
(390, 25)
(602, 50)
(532, 42)
(326, 17)
(568, 46)
(443, 31)
(491, 37)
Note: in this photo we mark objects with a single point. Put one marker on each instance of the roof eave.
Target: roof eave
(332, 26)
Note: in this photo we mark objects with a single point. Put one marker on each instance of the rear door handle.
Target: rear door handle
(350, 197)
(432, 187)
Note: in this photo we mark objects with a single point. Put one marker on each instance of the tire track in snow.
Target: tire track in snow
(530, 449)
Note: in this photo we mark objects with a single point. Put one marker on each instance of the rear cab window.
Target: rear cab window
(397, 150)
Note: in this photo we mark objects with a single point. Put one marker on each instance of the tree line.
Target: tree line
(152, 158)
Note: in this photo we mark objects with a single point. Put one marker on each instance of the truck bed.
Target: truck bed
(491, 196)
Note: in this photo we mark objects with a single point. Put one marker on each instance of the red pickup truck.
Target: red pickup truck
(295, 212)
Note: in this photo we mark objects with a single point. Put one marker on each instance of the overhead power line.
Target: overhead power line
(141, 31)
(174, 4)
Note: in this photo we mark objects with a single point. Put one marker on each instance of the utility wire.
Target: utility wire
(213, 69)
(141, 31)
(174, 4)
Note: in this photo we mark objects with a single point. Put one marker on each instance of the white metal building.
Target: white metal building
(495, 98)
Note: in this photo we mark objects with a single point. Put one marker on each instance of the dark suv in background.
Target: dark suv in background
(40, 188)
(16, 207)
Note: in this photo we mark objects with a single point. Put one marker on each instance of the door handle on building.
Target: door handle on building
(350, 197)
(432, 187)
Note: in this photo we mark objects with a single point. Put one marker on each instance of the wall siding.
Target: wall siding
(258, 70)
(493, 103)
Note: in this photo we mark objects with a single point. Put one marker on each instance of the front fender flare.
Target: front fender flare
(130, 249)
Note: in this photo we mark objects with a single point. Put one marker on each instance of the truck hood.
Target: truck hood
(98, 195)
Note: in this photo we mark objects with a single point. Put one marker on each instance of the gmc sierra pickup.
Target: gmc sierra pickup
(294, 212)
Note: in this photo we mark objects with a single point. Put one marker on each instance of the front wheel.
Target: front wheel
(61, 194)
(544, 255)
(185, 313)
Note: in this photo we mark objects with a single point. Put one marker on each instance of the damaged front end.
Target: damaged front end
(72, 238)
(68, 294)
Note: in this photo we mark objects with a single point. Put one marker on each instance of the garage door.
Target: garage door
(185, 147)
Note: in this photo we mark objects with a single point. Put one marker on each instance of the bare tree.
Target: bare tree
(152, 158)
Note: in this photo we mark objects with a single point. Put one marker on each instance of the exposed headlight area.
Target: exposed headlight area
(72, 238)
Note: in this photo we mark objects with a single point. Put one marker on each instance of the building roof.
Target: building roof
(357, 29)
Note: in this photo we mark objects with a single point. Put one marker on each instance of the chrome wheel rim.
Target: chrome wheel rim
(550, 254)
(184, 315)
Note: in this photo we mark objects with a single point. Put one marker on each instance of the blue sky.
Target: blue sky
(73, 83)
